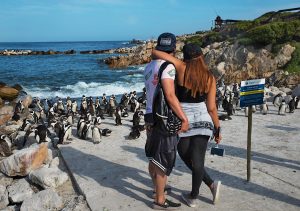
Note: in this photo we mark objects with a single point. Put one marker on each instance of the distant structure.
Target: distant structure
(219, 22)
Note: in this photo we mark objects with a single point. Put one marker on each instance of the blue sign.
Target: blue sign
(252, 92)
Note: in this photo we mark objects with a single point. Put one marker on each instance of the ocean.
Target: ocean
(49, 76)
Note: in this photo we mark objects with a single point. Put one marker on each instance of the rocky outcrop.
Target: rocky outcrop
(8, 93)
(3, 197)
(19, 191)
(48, 177)
(43, 201)
(30, 52)
(24, 161)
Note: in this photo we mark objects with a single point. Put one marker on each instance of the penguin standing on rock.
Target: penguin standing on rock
(282, 108)
(5, 146)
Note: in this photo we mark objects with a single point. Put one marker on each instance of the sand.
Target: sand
(113, 175)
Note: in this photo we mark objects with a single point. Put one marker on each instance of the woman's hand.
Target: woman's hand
(218, 139)
(184, 126)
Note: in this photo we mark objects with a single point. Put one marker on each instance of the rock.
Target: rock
(52, 154)
(48, 177)
(5, 180)
(24, 161)
(221, 68)
(10, 129)
(3, 197)
(45, 200)
(54, 163)
(76, 204)
(1, 102)
(4, 118)
(296, 91)
(6, 110)
(19, 191)
(284, 55)
(11, 208)
(2, 84)
(285, 89)
(8, 93)
(19, 140)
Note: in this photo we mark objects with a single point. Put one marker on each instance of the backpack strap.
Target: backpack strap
(160, 71)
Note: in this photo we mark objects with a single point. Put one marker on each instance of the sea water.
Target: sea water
(49, 76)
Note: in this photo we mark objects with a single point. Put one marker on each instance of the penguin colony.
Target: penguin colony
(59, 116)
(228, 97)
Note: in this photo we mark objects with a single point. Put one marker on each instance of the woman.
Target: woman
(196, 91)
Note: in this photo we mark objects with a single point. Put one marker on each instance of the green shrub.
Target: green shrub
(195, 39)
(293, 66)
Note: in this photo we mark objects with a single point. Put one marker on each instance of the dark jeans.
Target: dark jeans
(192, 151)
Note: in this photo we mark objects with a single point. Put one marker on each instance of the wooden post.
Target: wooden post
(249, 143)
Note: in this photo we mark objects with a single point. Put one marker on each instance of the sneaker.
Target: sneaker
(167, 205)
(188, 200)
(216, 191)
(167, 191)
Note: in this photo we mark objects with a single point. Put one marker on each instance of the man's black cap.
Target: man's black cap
(166, 42)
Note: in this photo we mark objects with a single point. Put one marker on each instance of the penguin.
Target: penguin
(70, 117)
(60, 107)
(41, 133)
(29, 138)
(96, 135)
(80, 126)
(124, 112)
(282, 108)
(118, 116)
(106, 132)
(19, 108)
(89, 116)
(97, 121)
(65, 134)
(87, 132)
(276, 100)
(135, 133)
(91, 107)
(292, 105)
(264, 108)
(297, 103)
(112, 105)
(253, 108)
(51, 116)
(5, 146)
(83, 107)
(74, 107)
(136, 118)
(124, 100)
(68, 104)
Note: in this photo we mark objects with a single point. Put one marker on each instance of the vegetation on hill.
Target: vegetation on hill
(264, 30)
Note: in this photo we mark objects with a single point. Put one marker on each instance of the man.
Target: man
(160, 162)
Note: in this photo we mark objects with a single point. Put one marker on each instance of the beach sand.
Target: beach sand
(113, 175)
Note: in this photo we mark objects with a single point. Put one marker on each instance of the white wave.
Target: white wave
(87, 89)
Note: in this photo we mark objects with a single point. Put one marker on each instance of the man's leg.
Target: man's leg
(160, 184)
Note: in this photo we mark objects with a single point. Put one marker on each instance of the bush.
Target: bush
(293, 66)
(195, 39)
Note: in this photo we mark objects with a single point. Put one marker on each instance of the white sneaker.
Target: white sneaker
(216, 191)
(188, 200)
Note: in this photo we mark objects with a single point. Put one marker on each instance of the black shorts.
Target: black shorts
(161, 149)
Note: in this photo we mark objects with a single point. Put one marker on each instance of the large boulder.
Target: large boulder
(48, 177)
(24, 161)
(6, 110)
(19, 191)
(43, 201)
(3, 197)
(8, 93)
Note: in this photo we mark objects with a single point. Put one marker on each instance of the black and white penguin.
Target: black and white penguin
(124, 112)
(97, 121)
(277, 100)
(19, 108)
(74, 106)
(96, 134)
(87, 132)
(83, 107)
(136, 118)
(51, 116)
(26, 125)
(91, 107)
(65, 134)
(135, 133)
(264, 108)
(297, 103)
(118, 119)
(292, 105)
(282, 108)
(5, 146)
(68, 104)
(106, 132)
(41, 133)
(60, 109)
(80, 126)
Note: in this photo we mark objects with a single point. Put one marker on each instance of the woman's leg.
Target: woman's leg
(198, 146)
(183, 149)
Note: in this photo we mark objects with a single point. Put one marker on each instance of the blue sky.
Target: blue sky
(104, 20)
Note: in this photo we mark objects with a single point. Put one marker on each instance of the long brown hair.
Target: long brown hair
(197, 76)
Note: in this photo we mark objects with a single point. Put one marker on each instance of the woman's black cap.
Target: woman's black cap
(191, 51)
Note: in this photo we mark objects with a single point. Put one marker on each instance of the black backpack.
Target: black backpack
(162, 113)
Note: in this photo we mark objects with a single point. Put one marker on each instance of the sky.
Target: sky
(118, 20)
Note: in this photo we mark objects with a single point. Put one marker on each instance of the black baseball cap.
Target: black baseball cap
(191, 51)
(166, 42)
